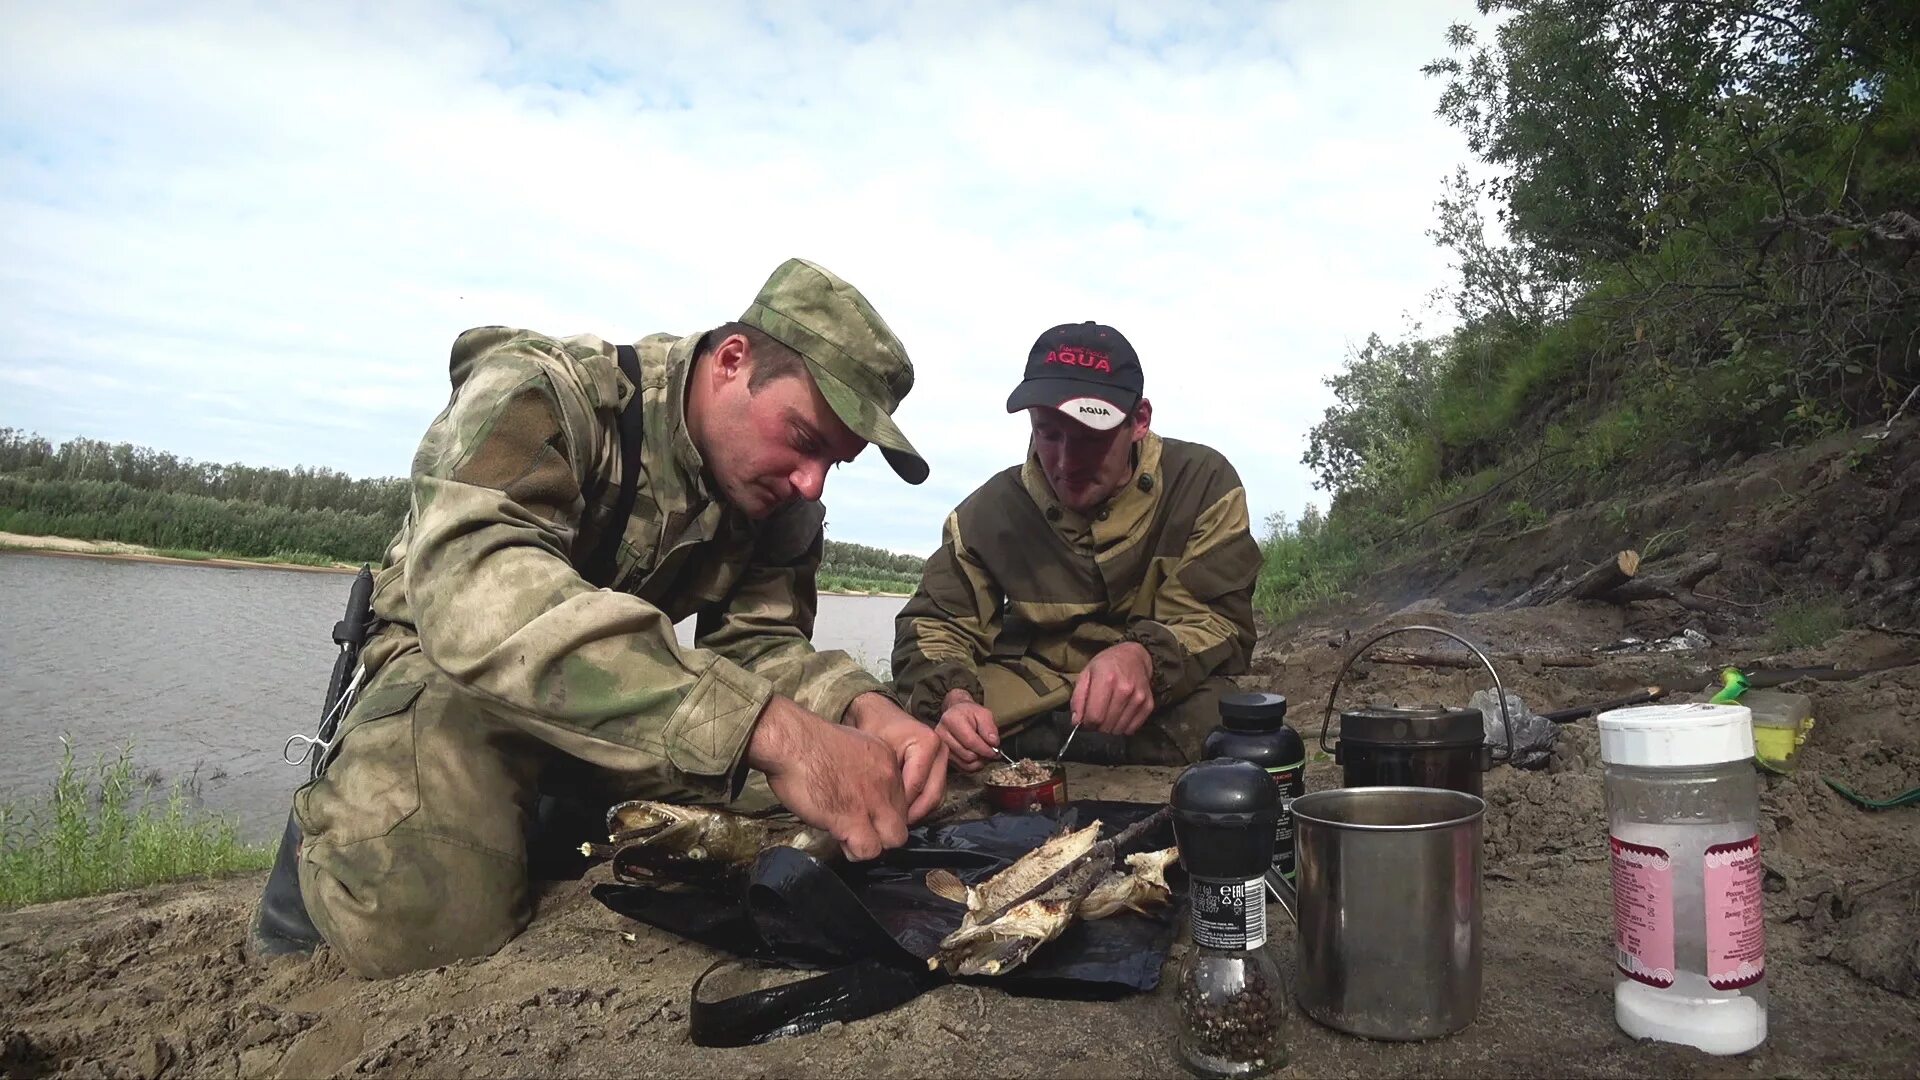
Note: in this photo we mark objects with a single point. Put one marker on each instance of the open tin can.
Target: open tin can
(1051, 791)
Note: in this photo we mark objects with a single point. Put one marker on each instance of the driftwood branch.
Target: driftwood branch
(1404, 658)
(1592, 584)
(1674, 582)
(1768, 678)
(1581, 712)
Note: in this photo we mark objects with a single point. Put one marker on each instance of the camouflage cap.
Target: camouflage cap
(860, 366)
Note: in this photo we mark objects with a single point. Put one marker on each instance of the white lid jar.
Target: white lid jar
(1689, 926)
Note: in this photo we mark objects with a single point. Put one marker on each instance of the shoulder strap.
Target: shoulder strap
(601, 567)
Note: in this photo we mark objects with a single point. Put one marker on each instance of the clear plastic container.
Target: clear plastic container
(1781, 723)
(1689, 927)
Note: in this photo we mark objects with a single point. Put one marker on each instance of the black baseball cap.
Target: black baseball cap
(1086, 370)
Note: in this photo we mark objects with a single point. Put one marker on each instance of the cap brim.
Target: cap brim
(1076, 399)
(869, 421)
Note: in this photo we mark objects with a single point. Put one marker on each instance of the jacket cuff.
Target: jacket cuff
(833, 701)
(1169, 657)
(706, 737)
(929, 694)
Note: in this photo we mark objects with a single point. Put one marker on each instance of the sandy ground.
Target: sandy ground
(157, 981)
(113, 549)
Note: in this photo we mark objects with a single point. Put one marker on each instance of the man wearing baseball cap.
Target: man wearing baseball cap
(573, 502)
(1097, 596)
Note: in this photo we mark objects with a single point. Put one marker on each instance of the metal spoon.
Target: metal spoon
(1069, 742)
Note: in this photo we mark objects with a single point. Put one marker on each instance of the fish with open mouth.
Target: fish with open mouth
(655, 842)
(1034, 900)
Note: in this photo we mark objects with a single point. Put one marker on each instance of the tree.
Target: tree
(1585, 105)
(1382, 408)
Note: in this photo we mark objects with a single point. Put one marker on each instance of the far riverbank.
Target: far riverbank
(69, 547)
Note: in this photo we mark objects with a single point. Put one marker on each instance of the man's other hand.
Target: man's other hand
(1114, 693)
(832, 776)
(922, 756)
(968, 731)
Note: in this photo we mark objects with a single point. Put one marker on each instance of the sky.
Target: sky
(250, 232)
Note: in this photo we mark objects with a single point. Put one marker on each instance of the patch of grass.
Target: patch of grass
(1306, 565)
(282, 556)
(1524, 514)
(847, 583)
(1663, 544)
(1807, 623)
(101, 831)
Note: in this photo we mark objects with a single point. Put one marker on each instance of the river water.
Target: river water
(207, 670)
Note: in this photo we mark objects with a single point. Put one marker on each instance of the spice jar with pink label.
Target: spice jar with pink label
(1688, 927)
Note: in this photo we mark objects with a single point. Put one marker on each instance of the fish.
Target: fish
(655, 842)
(1034, 900)
(1141, 887)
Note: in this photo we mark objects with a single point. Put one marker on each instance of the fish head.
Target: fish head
(643, 820)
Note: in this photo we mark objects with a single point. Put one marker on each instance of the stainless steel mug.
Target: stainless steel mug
(1387, 905)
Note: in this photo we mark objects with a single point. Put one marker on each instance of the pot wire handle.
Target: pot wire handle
(1506, 720)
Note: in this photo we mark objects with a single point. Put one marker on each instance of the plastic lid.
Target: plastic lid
(1253, 712)
(1664, 736)
(1224, 813)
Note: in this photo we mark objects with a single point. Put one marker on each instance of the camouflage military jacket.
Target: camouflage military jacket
(512, 486)
(1031, 589)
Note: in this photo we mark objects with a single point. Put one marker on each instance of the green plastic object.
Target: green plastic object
(1734, 683)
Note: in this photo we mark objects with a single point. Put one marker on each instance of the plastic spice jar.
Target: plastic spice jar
(1253, 728)
(1689, 931)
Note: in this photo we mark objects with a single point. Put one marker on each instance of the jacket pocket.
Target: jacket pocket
(371, 781)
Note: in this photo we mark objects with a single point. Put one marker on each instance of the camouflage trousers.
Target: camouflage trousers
(1171, 736)
(415, 837)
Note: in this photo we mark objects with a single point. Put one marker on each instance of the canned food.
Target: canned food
(1027, 785)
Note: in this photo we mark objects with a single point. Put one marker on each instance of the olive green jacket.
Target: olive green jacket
(1023, 592)
(511, 487)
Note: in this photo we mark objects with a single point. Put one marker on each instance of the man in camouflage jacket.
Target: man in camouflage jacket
(1100, 592)
(500, 672)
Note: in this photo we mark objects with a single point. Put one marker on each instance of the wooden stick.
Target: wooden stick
(1581, 712)
(1591, 584)
(1676, 583)
(1767, 678)
(1468, 660)
(1604, 578)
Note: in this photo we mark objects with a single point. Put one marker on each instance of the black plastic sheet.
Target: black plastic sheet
(872, 926)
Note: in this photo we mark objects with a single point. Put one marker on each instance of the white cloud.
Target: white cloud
(264, 224)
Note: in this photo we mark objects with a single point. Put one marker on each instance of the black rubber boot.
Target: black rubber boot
(281, 926)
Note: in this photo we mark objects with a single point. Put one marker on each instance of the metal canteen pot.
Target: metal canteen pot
(1419, 747)
(1387, 909)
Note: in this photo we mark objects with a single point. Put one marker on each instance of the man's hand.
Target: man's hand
(968, 731)
(832, 776)
(1114, 694)
(922, 756)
